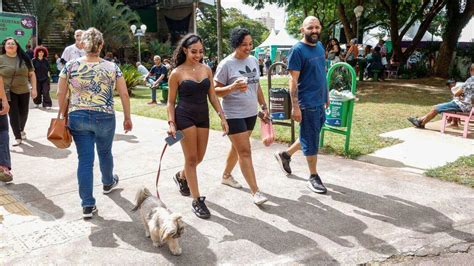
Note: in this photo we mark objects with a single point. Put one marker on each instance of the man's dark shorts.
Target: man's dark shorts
(312, 120)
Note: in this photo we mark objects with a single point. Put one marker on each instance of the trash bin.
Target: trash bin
(336, 114)
(164, 92)
(280, 104)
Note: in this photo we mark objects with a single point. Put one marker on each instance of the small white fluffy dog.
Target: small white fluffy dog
(161, 225)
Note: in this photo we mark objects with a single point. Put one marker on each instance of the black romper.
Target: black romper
(192, 108)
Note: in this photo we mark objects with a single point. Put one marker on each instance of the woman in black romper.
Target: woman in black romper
(191, 80)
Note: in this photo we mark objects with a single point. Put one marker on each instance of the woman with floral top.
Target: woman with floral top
(90, 81)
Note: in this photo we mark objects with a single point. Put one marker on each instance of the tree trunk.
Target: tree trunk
(348, 31)
(219, 31)
(454, 27)
(425, 23)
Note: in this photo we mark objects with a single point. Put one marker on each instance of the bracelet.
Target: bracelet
(263, 106)
(171, 122)
(220, 113)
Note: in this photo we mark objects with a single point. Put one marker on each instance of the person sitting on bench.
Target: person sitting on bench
(158, 75)
(461, 104)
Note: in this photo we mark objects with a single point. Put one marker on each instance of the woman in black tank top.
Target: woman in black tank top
(192, 82)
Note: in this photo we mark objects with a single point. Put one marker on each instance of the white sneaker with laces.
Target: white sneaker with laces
(259, 198)
(228, 179)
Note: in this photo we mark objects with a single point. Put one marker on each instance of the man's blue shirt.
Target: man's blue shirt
(310, 62)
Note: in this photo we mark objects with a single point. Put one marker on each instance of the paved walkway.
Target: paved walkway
(370, 213)
(422, 149)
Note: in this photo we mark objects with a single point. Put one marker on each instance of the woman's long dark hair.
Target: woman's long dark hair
(20, 53)
(178, 55)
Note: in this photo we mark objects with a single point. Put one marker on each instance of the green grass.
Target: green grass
(380, 108)
(460, 171)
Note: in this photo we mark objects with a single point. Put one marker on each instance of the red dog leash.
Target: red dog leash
(159, 169)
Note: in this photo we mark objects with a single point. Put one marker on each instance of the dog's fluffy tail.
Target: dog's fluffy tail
(141, 196)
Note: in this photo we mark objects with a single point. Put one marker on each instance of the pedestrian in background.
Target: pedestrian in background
(74, 50)
(91, 81)
(41, 65)
(5, 160)
(16, 69)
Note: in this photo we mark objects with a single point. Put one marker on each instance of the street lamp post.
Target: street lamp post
(138, 33)
(358, 13)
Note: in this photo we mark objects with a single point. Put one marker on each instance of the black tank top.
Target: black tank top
(192, 93)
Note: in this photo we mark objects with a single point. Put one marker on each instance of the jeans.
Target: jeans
(153, 90)
(4, 142)
(448, 107)
(19, 107)
(312, 120)
(89, 128)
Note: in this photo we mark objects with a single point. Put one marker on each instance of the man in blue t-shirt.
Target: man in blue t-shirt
(158, 75)
(309, 98)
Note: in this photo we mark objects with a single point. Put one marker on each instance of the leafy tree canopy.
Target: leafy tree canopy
(231, 18)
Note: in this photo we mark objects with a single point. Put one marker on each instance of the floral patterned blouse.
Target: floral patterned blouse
(91, 84)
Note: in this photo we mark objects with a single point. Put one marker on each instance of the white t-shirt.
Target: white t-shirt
(239, 104)
(72, 52)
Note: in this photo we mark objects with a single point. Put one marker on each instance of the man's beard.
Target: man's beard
(309, 38)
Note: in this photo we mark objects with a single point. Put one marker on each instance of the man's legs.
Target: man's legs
(312, 121)
(440, 108)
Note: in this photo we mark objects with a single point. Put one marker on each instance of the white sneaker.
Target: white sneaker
(37, 106)
(259, 198)
(23, 135)
(18, 142)
(228, 179)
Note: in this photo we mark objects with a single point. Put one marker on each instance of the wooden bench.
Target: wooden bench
(465, 117)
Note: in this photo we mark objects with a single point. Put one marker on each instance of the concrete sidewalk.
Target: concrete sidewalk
(370, 213)
(422, 149)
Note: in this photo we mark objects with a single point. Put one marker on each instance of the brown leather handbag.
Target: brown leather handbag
(58, 132)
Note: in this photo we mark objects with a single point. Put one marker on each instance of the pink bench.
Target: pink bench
(466, 117)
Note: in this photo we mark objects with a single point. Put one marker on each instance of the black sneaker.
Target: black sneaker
(284, 160)
(109, 188)
(182, 184)
(416, 122)
(200, 208)
(316, 185)
(88, 212)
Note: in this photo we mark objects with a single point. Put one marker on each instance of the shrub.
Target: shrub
(132, 77)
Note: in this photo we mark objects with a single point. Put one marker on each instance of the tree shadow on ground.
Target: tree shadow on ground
(402, 94)
(30, 195)
(310, 214)
(133, 233)
(267, 236)
(36, 149)
(399, 212)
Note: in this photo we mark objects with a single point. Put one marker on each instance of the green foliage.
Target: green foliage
(48, 13)
(231, 18)
(158, 48)
(53, 69)
(132, 77)
(112, 20)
